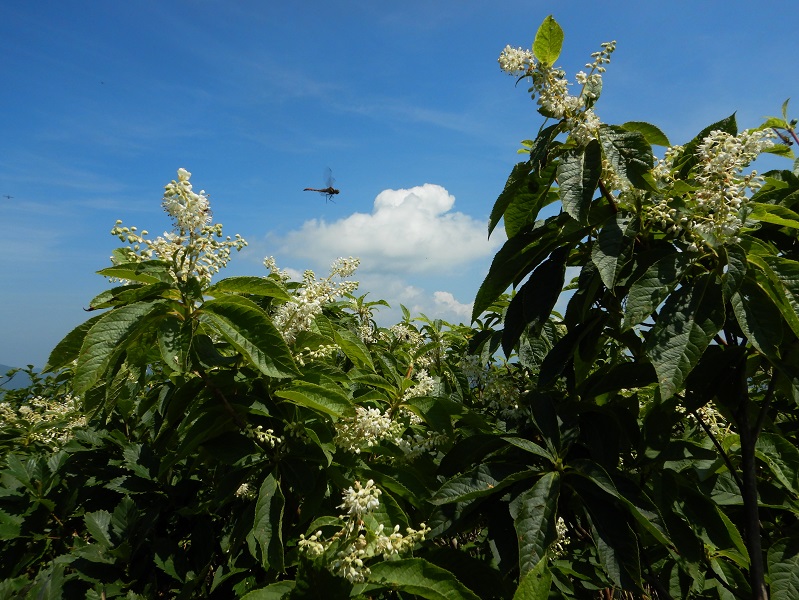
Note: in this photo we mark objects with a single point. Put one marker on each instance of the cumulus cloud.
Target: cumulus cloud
(408, 231)
(415, 250)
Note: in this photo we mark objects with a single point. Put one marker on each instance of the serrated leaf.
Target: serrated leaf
(783, 568)
(68, 348)
(107, 339)
(782, 459)
(524, 208)
(548, 41)
(267, 527)
(652, 288)
(353, 348)
(536, 583)
(652, 134)
(10, 525)
(774, 214)
(483, 480)
(534, 512)
(614, 246)
(531, 306)
(629, 153)
(578, 176)
(736, 270)
(519, 253)
(515, 187)
(326, 399)
(421, 578)
(255, 286)
(174, 342)
(689, 320)
(147, 271)
(759, 319)
(97, 524)
(250, 331)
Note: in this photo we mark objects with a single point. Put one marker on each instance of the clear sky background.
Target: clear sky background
(102, 101)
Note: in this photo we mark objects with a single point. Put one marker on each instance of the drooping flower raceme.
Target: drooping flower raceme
(194, 248)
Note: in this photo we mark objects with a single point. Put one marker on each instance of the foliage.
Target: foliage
(264, 438)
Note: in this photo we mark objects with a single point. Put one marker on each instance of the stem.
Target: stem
(748, 437)
(718, 446)
(608, 196)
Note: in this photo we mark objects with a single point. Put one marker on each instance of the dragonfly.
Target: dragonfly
(329, 191)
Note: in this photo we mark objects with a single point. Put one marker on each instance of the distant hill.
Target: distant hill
(20, 380)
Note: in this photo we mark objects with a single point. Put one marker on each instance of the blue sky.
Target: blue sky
(102, 102)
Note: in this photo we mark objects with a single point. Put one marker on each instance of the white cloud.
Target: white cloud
(447, 301)
(408, 231)
(415, 250)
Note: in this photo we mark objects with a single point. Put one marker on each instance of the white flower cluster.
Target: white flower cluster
(713, 213)
(308, 355)
(49, 421)
(559, 545)
(356, 542)
(366, 428)
(424, 386)
(188, 209)
(195, 249)
(246, 492)
(552, 88)
(516, 61)
(263, 437)
(308, 300)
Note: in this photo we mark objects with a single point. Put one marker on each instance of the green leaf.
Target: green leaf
(536, 583)
(255, 286)
(326, 399)
(647, 516)
(517, 255)
(174, 342)
(653, 135)
(68, 349)
(782, 459)
(785, 274)
(548, 41)
(147, 271)
(532, 305)
(735, 272)
(689, 320)
(483, 480)
(274, 591)
(578, 176)
(267, 527)
(353, 348)
(614, 247)
(534, 512)
(108, 338)
(523, 210)
(421, 578)
(774, 214)
(10, 525)
(515, 188)
(97, 524)
(629, 153)
(760, 320)
(783, 568)
(250, 331)
(529, 446)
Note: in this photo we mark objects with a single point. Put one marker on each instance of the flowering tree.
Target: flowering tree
(659, 419)
(264, 438)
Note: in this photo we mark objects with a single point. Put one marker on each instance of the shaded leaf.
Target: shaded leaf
(536, 583)
(629, 153)
(534, 512)
(267, 527)
(614, 246)
(421, 578)
(578, 176)
(689, 320)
